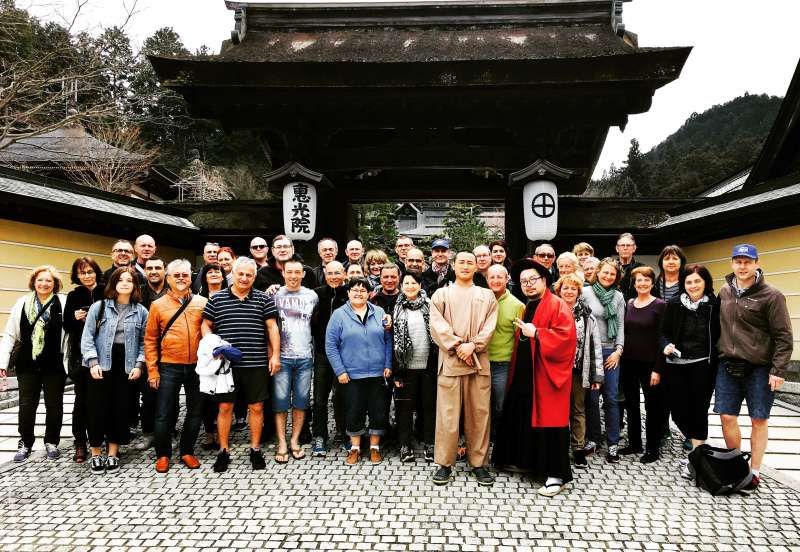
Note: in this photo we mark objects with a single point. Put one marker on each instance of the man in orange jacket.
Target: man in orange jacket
(171, 355)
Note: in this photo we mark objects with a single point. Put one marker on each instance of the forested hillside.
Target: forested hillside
(707, 148)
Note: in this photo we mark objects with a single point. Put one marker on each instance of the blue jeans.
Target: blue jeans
(499, 372)
(610, 389)
(172, 377)
(291, 386)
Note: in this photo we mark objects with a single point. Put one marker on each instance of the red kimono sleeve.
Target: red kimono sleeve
(556, 341)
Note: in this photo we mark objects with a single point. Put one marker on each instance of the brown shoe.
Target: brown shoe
(80, 454)
(162, 464)
(375, 455)
(190, 461)
(353, 457)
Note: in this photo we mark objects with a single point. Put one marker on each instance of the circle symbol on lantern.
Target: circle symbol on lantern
(543, 205)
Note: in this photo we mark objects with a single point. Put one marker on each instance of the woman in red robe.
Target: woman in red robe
(533, 433)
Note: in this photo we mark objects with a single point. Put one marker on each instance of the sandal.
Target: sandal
(282, 457)
(297, 453)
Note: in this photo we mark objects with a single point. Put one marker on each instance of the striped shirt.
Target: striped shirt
(242, 323)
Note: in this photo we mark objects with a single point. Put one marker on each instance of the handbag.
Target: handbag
(721, 471)
(738, 368)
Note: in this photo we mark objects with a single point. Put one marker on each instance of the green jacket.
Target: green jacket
(502, 344)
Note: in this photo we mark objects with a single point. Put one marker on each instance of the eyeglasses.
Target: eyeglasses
(529, 282)
(546, 255)
(355, 291)
(87, 273)
(258, 246)
(181, 276)
(626, 245)
(281, 247)
(128, 251)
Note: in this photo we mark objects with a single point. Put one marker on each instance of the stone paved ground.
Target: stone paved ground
(320, 504)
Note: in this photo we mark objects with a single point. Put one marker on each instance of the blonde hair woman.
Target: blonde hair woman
(373, 261)
(35, 332)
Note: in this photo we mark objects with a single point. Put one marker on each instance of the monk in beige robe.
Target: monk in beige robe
(462, 320)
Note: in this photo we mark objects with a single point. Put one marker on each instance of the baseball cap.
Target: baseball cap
(440, 242)
(745, 250)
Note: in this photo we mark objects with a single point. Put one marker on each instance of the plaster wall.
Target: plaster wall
(24, 246)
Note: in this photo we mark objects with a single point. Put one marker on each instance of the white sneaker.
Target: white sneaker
(686, 469)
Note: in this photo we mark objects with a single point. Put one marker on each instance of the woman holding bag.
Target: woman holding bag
(35, 333)
(113, 348)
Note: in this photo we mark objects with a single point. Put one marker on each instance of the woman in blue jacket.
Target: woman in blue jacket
(112, 346)
(359, 349)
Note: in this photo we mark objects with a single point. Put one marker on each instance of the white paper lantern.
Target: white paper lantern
(299, 210)
(540, 205)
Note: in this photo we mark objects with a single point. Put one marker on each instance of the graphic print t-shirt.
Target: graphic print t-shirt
(295, 309)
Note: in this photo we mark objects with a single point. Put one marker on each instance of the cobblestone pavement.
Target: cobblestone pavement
(321, 504)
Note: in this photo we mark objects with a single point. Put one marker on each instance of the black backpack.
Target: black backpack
(721, 471)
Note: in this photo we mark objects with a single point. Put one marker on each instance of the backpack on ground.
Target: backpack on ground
(721, 471)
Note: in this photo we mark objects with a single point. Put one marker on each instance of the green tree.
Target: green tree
(377, 226)
(465, 228)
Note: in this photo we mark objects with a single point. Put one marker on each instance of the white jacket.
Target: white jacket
(12, 332)
(215, 373)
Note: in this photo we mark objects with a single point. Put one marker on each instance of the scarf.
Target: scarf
(606, 298)
(38, 331)
(440, 270)
(692, 305)
(402, 341)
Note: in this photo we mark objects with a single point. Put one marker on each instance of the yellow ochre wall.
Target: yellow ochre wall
(24, 246)
(779, 257)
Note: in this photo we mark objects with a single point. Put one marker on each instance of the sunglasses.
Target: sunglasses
(259, 246)
(546, 255)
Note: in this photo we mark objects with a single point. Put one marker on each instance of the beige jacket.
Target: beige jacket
(463, 316)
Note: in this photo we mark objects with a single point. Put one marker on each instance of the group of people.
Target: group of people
(477, 353)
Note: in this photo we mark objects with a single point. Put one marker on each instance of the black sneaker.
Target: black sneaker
(613, 455)
(406, 454)
(428, 454)
(97, 465)
(649, 457)
(625, 451)
(483, 476)
(443, 476)
(112, 464)
(579, 456)
(222, 461)
(257, 459)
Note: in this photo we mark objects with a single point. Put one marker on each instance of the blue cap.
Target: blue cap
(441, 242)
(745, 250)
(229, 352)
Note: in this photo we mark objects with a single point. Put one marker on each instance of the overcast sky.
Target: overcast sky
(739, 46)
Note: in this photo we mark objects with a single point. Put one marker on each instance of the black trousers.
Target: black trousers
(80, 412)
(325, 381)
(690, 389)
(636, 375)
(419, 388)
(31, 385)
(108, 402)
(365, 396)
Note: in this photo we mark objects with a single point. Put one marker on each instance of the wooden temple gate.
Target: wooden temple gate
(457, 100)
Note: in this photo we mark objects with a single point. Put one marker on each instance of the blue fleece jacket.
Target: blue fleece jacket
(360, 350)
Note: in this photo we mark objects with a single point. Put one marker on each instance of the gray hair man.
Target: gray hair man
(170, 347)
